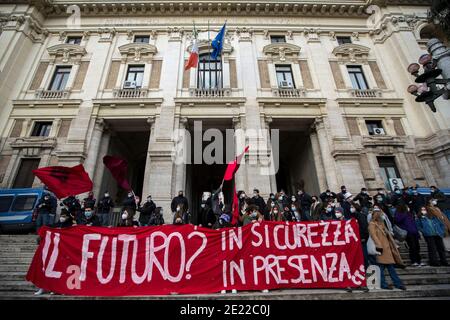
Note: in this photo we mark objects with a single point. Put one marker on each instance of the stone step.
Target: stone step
(12, 276)
(422, 291)
(408, 280)
(14, 267)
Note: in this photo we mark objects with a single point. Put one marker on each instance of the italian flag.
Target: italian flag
(193, 58)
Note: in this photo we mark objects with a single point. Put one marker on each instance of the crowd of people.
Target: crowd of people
(385, 220)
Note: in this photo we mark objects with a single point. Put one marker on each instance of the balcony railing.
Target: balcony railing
(52, 94)
(368, 93)
(210, 92)
(288, 92)
(130, 93)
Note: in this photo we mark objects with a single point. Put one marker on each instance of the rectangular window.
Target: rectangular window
(41, 129)
(343, 40)
(284, 76)
(388, 170)
(5, 203)
(357, 77)
(375, 127)
(24, 203)
(135, 75)
(73, 40)
(277, 39)
(142, 39)
(60, 78)
(209, 75)
(24, 177)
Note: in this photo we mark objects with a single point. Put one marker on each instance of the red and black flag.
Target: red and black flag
(65, 181)
(119, 169)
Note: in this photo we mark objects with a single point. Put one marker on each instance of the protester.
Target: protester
(417, 201)
(435, 211)
(328, 211)
(339, 213)
(439, 196)
(74, 207)
(65, 220)
(128, 218)
(433, 230)
(89, 201)
(327, 196)
(405, 220)
(282, 200)
(44, 211)
(305, 202)
(179, 214)
(340, 197)
(397, 198)
(252, 214)
(157, 218)
(355, 212)
(258, 200)
(180, 199)
(146, 210)
(297, 213)
(384, 218)
(104, 207)
(130, 201)
(364, 199)
(316, 208)
(385, 245)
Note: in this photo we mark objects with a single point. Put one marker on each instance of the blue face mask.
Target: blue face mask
(88, 214)
(329, 209)
(397, 192)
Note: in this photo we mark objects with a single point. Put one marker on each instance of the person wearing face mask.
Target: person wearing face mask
(73, 205)
(65, 220)
(297, 213)
(397, 197)
(384, 218)
(364, 199)
(437, 194)
(206, 216)
(341, 195)
(127, 218)
(316, 208)
(327, 196)
(258, 200)
(304, 202)
(251, 215)
(180, 199)
(433, 230)
(146, 211)
(89, 201)
(130, 201)
(328, 211)
(44, 211)
(282, 200)
(339, 213)
(404, 218)
(276, 215)
(363, 224)
(271, 203)
(434, 210)
(389, 254)
(90, 219)
(104, 207)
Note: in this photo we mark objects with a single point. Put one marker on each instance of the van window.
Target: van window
(5, 203)
(24, 203)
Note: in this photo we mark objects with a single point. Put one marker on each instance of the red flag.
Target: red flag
(119, 170)
(233, 166)
(65, 181)
(235, 218)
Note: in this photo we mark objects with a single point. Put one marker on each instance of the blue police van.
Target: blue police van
(16, 208)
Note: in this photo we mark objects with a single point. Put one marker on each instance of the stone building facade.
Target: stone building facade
(108, 78)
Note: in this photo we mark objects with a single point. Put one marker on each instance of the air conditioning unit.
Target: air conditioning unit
(396, 183)
(378, 131)
(285, 84)
(129, 85)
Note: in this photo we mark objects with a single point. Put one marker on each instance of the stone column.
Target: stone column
(328, 161)
(272, 177)
(180, 169)
(240, 176)
(151, 140)
(313, 136)
(99, 172)
(91, 162)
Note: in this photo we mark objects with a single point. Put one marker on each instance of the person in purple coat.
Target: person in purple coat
(405, 219)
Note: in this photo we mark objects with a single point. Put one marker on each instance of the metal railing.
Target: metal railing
(288, 92)
(52, 94)
(130, 93)
(210, 92)
(367, 93)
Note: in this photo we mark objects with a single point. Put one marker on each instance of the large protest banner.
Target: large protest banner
(169, 259)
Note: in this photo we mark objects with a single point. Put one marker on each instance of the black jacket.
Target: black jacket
(365, 200)
(104, 205)
(129, 202)
(363, 225)
(179, 200)
(45, 206)
(325, 198)
(93, 221)
(72, 204)
(259, 201)
(89, 202)
(305, 201)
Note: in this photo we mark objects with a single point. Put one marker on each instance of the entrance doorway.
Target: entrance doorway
(201, 177)
(297, 168)
(129, 140)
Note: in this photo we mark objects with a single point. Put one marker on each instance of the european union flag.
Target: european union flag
(217, 43)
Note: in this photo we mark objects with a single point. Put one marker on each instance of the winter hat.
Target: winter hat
(225, 217)
(338, 209)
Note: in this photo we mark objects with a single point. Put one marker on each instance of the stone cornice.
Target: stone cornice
(136, 50)
(351, 52)
(66, 51)
(346, 8)
(204, 46)
(279, 51)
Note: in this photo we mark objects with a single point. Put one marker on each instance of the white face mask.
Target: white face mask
(293, 208)
(202, 205)
(62, 219)
(272, 204)
(338, 215)
(293, 199)
(178, 208)
(253, 214)
(352, 210)
(424, 212)
(124, 216)
(106, 195)
(434, 202)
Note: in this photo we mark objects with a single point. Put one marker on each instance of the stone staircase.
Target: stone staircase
(16, 252)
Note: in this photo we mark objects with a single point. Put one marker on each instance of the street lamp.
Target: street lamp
(434, 64)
